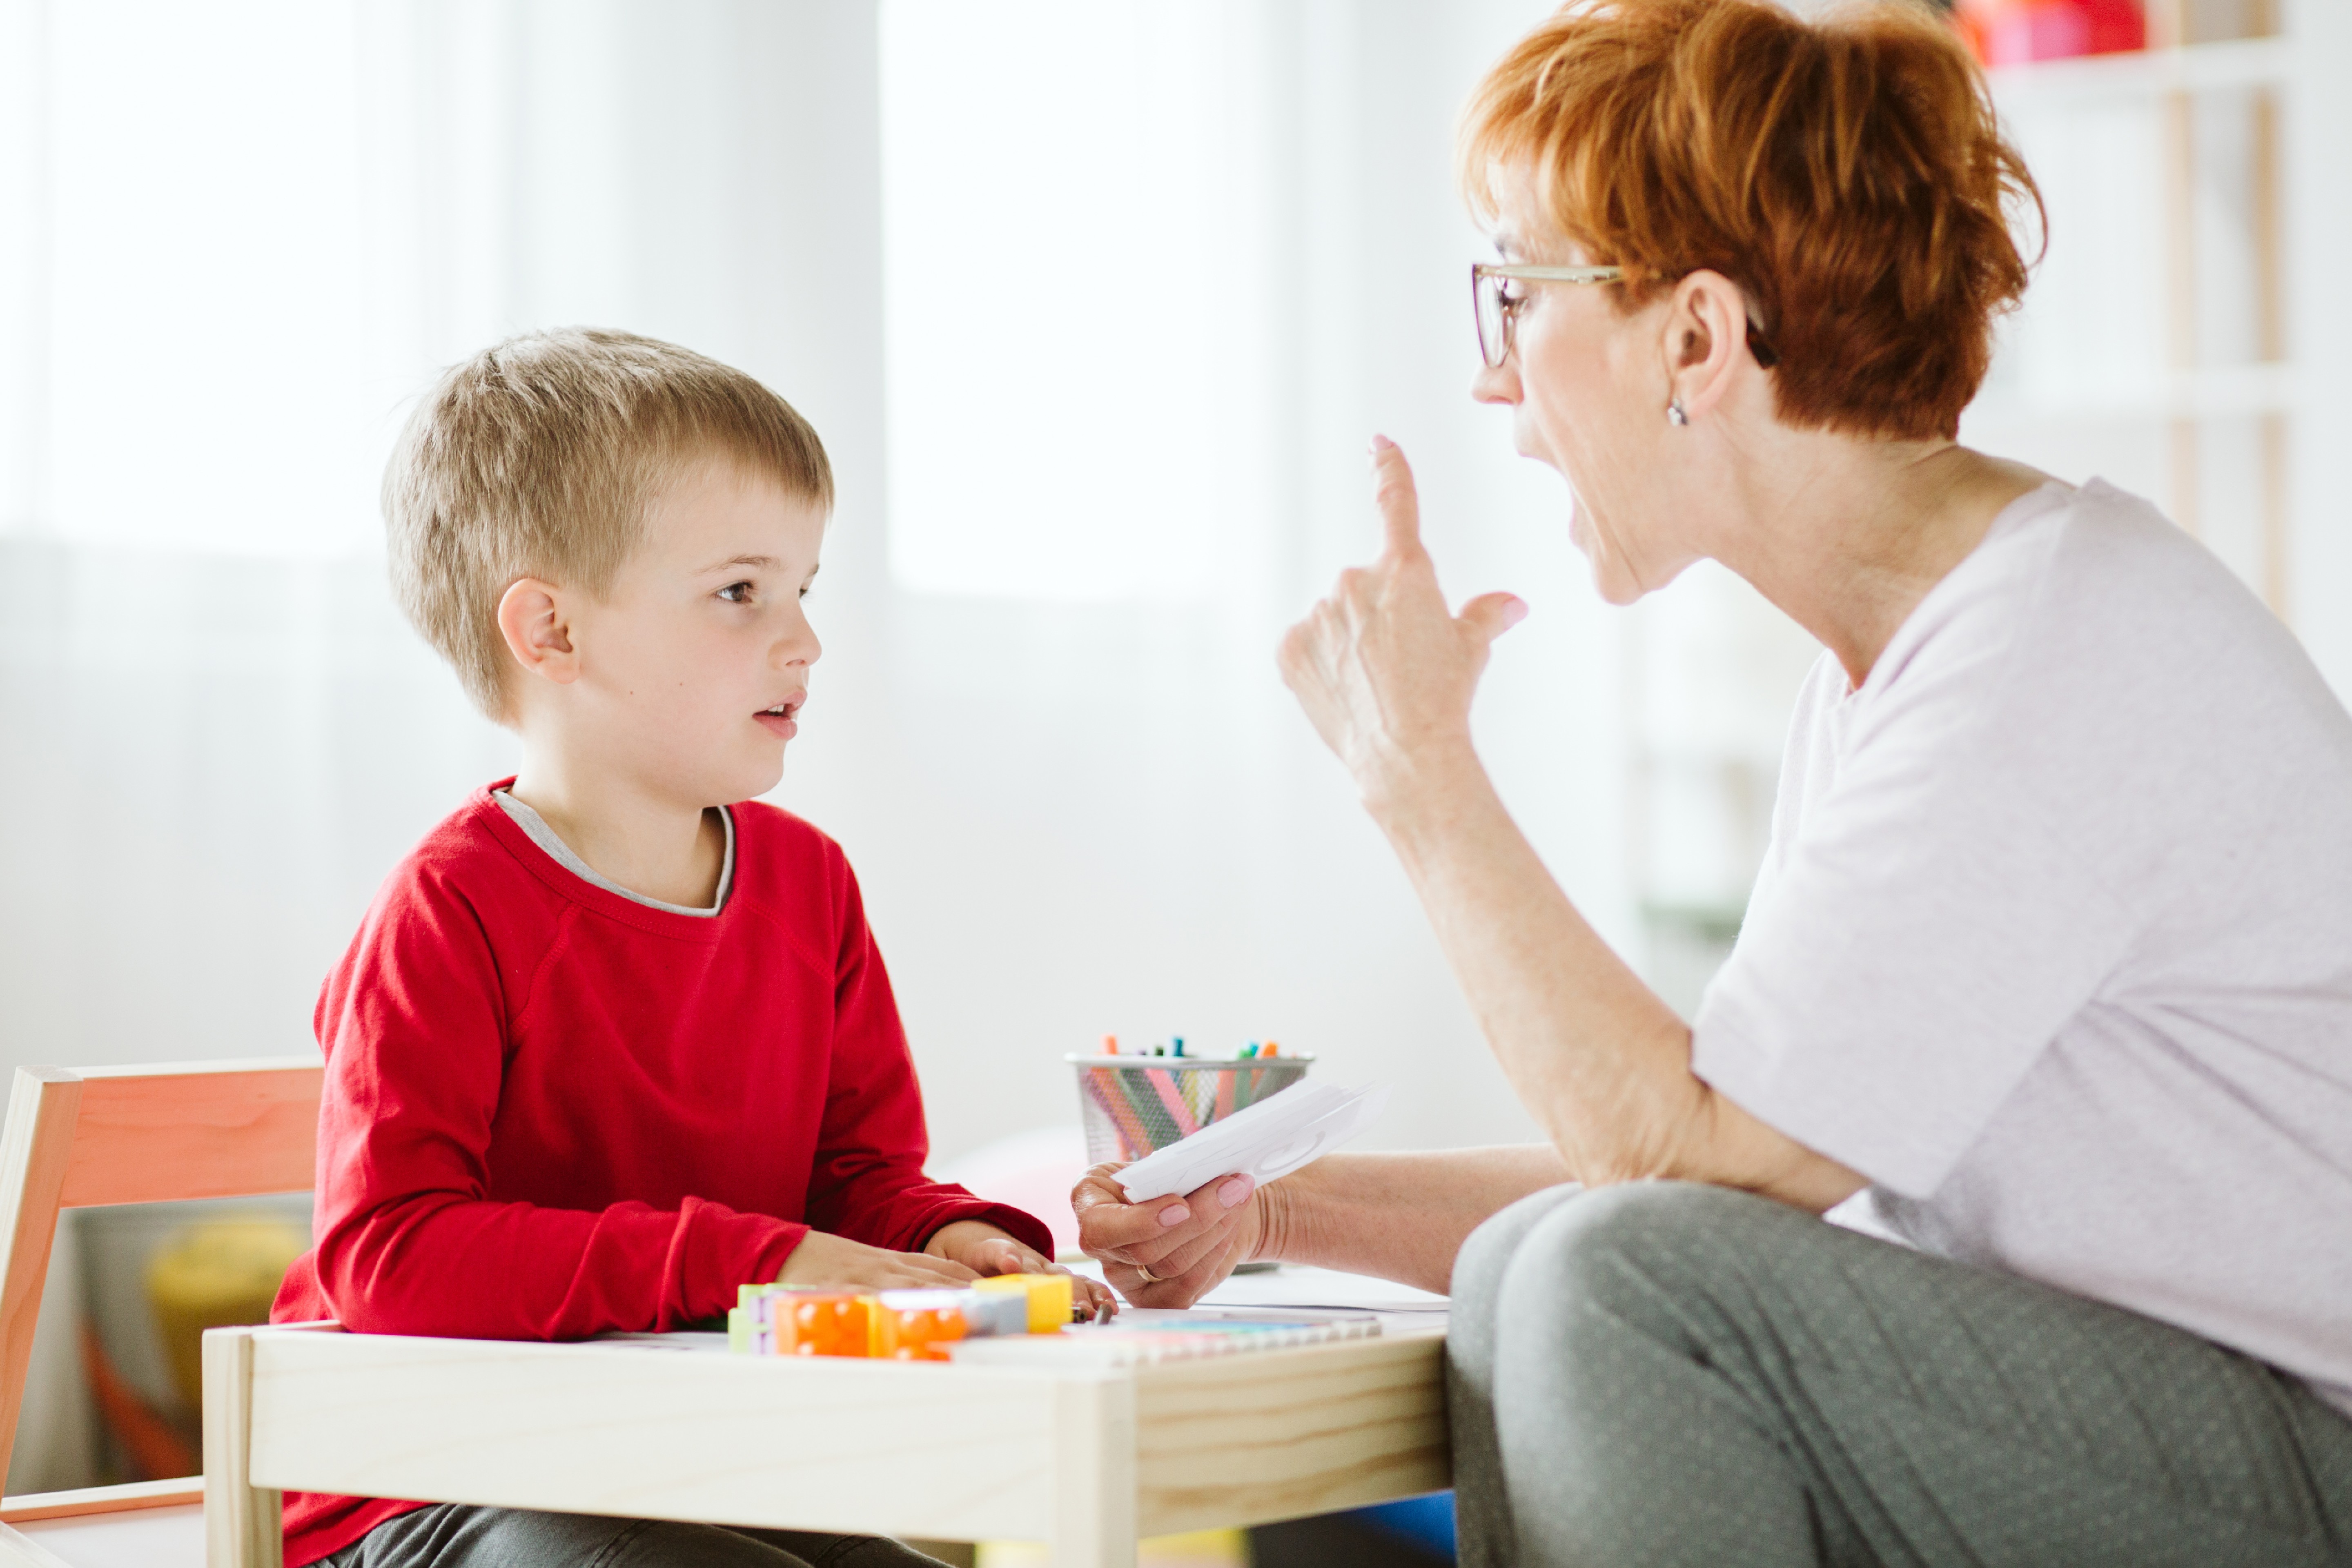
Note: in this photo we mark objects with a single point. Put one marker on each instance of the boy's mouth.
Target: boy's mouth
(778, 720)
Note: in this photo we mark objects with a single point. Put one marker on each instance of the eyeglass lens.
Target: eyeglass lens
(1493, 317)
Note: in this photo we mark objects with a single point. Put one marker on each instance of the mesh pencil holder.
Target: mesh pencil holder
(1135, 1105)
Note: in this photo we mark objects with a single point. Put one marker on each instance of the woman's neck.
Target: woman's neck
(1847, 536)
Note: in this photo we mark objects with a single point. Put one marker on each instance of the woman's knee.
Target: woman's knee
(1636, 1246)
(1478, 1267)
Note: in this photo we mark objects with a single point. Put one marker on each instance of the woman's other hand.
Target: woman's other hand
(1169, 1251)
(1383, 669)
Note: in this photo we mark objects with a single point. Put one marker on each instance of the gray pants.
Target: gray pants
(455, 1535)
(1670, 1373)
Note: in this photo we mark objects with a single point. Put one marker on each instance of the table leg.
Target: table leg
(1093, 1476)
(243, 1523)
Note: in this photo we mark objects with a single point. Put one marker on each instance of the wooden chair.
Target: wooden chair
(77, 1139)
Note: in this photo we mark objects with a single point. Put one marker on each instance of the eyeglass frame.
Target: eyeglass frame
(1766, 355)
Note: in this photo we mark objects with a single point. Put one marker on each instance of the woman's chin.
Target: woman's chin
(1616, 588)
(1612, 577)
(1610, 580)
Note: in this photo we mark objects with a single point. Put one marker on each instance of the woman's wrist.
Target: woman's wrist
(1276, 1218)
(1422, 804)
(1406, 786)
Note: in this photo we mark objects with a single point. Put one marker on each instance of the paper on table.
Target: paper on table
(1299, 1288)
(1292, 1288)
(1266, 1141)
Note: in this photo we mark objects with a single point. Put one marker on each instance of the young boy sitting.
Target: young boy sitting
(614, 1040)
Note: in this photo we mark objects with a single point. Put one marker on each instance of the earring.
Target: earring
(1675, 413)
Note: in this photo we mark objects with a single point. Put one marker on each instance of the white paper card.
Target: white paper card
(1264, 1142)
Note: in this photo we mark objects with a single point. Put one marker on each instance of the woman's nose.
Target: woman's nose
(1497, 382)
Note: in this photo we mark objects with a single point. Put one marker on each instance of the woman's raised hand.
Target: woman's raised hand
(1383, 669)
(1171, 1251)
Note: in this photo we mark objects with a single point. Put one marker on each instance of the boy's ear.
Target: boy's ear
(538, 633)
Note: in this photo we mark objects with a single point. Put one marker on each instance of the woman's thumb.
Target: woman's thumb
(1492, 615)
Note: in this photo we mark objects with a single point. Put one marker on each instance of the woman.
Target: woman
(2050, 961)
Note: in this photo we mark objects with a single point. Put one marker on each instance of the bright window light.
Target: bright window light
(1049, 223)
(203, 283)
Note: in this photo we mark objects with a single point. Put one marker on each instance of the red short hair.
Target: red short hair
(1848, 173)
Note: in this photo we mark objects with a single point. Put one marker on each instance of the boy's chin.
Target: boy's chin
(725, 781)
(758, 779)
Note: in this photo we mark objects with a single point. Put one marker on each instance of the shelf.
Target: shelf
(2199, 68)
(1710, 920)
(2219, 392)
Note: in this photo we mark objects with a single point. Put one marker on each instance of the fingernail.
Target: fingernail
(1174, 1213)
(1382, 444)
(1235, 1193)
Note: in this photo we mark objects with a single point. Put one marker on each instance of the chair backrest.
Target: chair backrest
(82, 1138)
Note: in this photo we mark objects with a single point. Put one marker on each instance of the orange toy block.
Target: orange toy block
(811, 1322)
(916, 1325)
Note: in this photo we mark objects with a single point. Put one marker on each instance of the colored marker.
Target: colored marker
(1164, 1084)
(1158, 1127)
(1134, 1140)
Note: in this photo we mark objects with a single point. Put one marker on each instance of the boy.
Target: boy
(614, 1039)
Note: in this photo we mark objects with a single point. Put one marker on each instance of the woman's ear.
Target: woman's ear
(1706, 329)
(538, 632)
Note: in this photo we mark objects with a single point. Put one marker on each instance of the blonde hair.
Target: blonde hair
(540, 457)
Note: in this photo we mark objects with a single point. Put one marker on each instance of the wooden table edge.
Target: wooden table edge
(1396, 1379)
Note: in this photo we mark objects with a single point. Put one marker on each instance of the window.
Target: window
(1050, 213)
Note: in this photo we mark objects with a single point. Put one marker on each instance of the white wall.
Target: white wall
(2319, 331)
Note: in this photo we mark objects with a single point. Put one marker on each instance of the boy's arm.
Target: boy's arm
(868, 1182)
(413, 1022)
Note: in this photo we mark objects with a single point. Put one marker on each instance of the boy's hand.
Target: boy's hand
(985, 1249)
(821, 1260)
(1171, 1251)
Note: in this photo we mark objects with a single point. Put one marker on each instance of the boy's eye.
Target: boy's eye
(736, 593)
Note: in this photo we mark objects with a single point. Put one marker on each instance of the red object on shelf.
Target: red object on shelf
(2013, 32)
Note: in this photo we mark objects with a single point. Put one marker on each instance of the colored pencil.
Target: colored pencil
(1163, 1083)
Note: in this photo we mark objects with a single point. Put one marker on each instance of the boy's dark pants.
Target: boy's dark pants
(1663, 1373)
(455, 1535)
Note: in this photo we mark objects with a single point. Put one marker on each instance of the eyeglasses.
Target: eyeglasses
(1497, 310)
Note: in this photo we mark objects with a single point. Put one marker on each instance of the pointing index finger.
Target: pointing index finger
(1399, 503)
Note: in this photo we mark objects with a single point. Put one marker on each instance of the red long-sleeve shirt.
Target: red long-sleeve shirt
(550, 1111)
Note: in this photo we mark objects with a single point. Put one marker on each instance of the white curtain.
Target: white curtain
(1098, 401)
(1050, 734)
